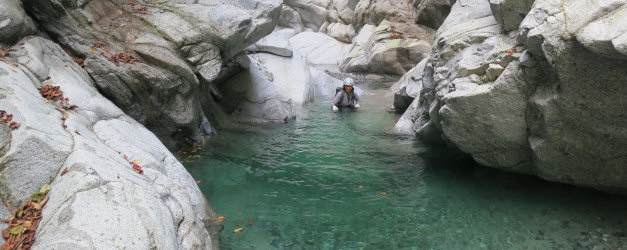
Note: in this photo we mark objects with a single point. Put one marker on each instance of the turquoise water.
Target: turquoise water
(342, 181)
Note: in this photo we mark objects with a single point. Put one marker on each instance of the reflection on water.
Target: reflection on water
(341, 181)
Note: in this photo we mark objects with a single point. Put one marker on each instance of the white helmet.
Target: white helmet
(348, 81)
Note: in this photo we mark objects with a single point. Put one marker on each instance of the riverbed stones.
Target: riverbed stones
(546, 102)
(100, 191)
(161, 91)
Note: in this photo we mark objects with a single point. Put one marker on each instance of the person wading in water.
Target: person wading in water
(346, 97)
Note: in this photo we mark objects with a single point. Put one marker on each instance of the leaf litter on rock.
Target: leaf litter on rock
(22, 225)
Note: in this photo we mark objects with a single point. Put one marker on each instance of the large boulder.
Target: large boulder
(97, 200)
(432, 13)
(390, 48)
(14, 23)
(509, 13)
(541, 102)
(576, 115)
(182, 45)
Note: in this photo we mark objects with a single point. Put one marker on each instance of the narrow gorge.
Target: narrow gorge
(207, 124)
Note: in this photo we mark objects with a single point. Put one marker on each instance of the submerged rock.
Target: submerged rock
(100, 202)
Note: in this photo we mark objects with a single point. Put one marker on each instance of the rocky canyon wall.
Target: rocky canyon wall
(80, 80)
(535, 87)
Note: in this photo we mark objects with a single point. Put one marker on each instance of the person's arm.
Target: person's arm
(357, 101)
(336, 100)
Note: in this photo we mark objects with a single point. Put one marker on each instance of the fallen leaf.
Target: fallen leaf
(92, 50)
(221, 218)
(238, 230)
(45, 189)
(250, 222)
(510, 52)
(8, 118)
(65, 116)
(193, 150)
(64, 171)
(360, 187)
(137, 168)
(383, 193)
(76, 131)
(14, 125)
(138, 161)
(197, 182)
(125, 157)
(20, 229)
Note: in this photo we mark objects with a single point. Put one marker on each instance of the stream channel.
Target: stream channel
(344, 181)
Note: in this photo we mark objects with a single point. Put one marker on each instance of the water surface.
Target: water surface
(343, 181)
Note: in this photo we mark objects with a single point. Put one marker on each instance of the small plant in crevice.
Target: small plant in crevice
(23, 223)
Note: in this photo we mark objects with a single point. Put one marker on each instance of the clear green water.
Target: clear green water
(319, 182)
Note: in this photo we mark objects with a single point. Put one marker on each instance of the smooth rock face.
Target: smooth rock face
(162, 208)
(183, 44)
(551, 106)
(277, 43)
(274, 87)
(14, 23)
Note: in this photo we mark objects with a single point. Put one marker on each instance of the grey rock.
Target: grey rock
(290, 18)
(391, 48)
(14, 23)
(510, 13)
(341, 32)
(161, 208)
(319, 48)
(493, 71)
(432, 13)
(278, 43)
(256, 96)
(178, 43)
(313, 13)
(526, 59)
(408, 87)
(552, 107)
